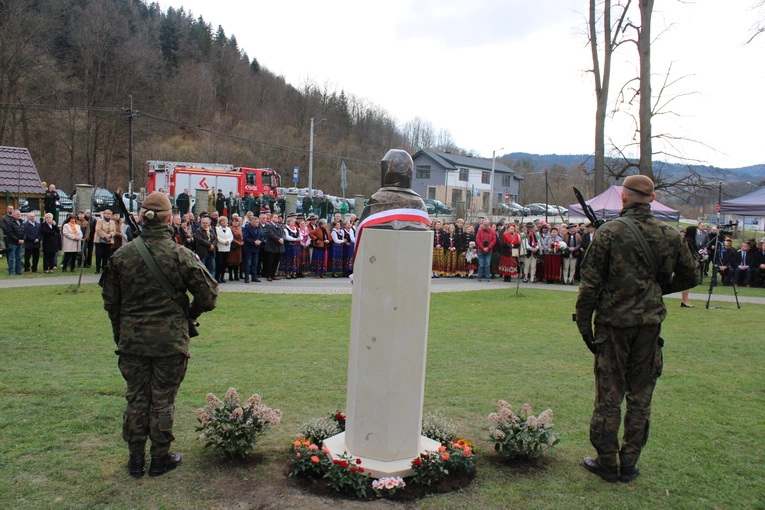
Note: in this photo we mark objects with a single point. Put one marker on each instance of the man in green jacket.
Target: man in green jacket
(152, 333)
(619, 286)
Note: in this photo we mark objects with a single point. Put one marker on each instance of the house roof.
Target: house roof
(452, 161)
(18, 173)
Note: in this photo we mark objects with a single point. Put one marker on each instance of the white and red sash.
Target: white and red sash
(415, 215)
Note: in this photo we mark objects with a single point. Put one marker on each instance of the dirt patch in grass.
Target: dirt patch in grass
(278, 490)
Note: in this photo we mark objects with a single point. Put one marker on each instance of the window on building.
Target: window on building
(431, 193)
(464, 174)
(485, 177)
(423, 172)
(456, 197)
(506, 179)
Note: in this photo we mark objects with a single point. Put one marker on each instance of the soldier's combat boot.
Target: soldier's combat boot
(607, 473)
(165, 463)
(137, 465)
(629, 473)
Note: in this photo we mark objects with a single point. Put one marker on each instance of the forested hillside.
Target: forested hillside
(182, 74)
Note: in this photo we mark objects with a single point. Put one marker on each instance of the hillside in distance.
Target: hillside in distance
(753, 172)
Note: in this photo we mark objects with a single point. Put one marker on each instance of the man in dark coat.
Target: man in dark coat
(151, 330)
(13, 229)
(182, 202)
(32, 236)
(220, 202)
(51, 202)
(307, 203)
(274, 234)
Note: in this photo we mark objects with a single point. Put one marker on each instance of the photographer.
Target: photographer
(151, 329)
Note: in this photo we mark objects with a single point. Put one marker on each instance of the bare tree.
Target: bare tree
(759, 26)
(603, 77)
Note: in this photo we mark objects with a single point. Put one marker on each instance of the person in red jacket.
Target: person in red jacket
(485, 239)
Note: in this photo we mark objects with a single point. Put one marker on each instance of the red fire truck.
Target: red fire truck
(174, 177)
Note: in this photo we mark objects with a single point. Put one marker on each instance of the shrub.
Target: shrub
(521, 437)
(454, 458)
(339, 418)
(437, 427)
(317, 430)
(234, 428)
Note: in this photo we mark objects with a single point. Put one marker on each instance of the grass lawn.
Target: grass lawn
(61, 401)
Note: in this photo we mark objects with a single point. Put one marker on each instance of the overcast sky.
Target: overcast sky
(512, 74)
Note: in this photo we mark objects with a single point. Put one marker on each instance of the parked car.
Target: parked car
(513, 209)
(64, 203)
(103, 199)
(437, 207)
(536, 209)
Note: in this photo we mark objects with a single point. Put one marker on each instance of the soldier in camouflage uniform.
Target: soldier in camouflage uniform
(620, 288)
(152, 333)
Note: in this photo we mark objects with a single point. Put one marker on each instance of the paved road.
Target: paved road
(343, 286)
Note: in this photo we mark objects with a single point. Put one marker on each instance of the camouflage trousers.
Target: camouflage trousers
(152, 384)
(628, 363)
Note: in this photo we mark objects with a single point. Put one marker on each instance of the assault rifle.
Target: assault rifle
(134, 226)
(587, 209)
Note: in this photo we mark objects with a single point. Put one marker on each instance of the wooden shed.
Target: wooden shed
(18, 177)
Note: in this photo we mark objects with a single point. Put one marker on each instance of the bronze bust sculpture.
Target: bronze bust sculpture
(396, 191)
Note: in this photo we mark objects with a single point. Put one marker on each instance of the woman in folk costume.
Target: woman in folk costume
(553, 257)
(438, 250)
(531, 249)
(289, 260)
(498, 230)
(471, 252)
(462, 245)
(338, 240)
(349, 247)
(304, 250)
(321, 240)
(511, 243)
(450, 252)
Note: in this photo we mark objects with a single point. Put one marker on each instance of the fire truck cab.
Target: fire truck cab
(173, 177)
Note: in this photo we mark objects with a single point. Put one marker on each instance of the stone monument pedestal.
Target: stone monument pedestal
(386, 368)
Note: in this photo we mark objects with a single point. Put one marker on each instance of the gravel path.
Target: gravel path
(343, 286)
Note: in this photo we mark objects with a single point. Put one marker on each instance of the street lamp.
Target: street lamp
(491, 179)
(310, 158)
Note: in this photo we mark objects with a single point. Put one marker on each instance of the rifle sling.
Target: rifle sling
(154, 269)
(649, 255)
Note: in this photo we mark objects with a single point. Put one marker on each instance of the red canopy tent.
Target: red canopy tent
(608, 204)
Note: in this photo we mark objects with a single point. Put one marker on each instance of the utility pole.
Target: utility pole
(491, 180)
(719, 203)
(310, 158)
(547, 188)
(129, 113)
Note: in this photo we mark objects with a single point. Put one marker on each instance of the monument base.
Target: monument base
(380, 468)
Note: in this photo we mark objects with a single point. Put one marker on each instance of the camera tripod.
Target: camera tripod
(716, 263)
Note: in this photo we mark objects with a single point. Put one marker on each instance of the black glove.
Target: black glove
(589, 341)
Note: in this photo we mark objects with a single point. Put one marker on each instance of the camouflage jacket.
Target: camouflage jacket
(618, 285)
(145, 320)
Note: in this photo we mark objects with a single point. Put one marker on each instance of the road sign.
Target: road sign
(507, 196)
(717, 207)
(295, 172)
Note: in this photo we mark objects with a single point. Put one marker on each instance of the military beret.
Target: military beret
(157, 202)
(529, 224)
(640, 184)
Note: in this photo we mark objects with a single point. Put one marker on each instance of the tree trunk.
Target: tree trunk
(644, 48)
(602, 82)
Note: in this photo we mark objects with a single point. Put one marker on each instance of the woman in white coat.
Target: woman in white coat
(223, 243)
(71, 242)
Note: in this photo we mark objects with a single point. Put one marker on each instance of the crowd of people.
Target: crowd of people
(249, 247)
(534, 252)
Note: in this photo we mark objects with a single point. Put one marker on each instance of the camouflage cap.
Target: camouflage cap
(639, 184)
(157, 202)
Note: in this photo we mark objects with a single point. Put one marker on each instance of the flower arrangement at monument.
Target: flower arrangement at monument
(233, 427)
(347, 475)
(521, 437)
